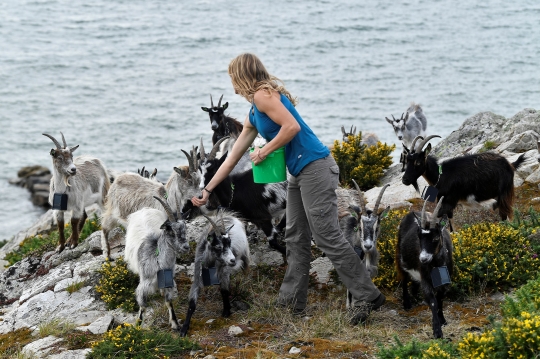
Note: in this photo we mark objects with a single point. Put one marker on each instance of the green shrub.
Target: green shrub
(127, 341)
(117, 285)
(73, 287)
(38, 245)
(422, 350)
(364, 164)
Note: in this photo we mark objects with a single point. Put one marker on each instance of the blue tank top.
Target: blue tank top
(303, 149)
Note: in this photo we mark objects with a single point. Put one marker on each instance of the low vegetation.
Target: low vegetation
(365, 164)
(117, 285)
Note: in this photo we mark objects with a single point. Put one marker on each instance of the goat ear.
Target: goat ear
(183, 172)
(166, 225)
(427, 150)
(356, 210)
(205, 109)
(389, 121)
(226, 105)
(53, 152)
(228, 229)
(384, 213)
(72, 149)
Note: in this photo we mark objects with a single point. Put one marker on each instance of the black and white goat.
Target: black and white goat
(258, 203)
(224, 247)
(409, 127)
(424, 244)
(221, 124)
(467, 179)
(153, 241)
(362, 228)
(85, 181)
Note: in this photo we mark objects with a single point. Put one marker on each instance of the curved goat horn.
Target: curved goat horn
(414, 142)
(423, 216)
(219, 103)
(63, 139)
(423, 143)
(393, 117)
(211, 101)
(203, 155)
(195, 159)
(216, 227)
(361, 197)
(434, 215)
(190, 160)
(379, 198)
(212, 154)
(168, 209)
(58, 147)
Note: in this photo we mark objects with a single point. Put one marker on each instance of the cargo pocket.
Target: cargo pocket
(321, 219)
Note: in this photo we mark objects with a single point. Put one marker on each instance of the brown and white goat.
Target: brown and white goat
(84, 180)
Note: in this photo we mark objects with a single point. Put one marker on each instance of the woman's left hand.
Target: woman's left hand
(257, 156)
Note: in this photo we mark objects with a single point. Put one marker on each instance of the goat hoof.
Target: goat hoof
(60, 248)
(226, 314)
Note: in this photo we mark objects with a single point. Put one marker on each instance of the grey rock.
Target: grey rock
(234, 330)
(99, 326)
(321, 267)
(71, 354)
(40, 348)
(295, 350)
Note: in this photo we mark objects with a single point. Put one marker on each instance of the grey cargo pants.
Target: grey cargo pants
(312, 210)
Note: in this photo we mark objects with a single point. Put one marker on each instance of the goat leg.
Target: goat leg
(83, 220)
(271, 234)
(226, 303)
(406, 297)
(440, 296)
(61, 236)
(172, 315)
(73, 240)
(191, 310)
(433, 304)
(140, 294)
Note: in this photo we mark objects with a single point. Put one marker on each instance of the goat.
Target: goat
(256, 202)
(409, 127)
(362, 228)
(225, 247)
(538, 145)
(368, 138)
(153, 241)
(222, 125)
(84, 179)
(423, 245)
(144, 173)
(131, 192)
(467, 179)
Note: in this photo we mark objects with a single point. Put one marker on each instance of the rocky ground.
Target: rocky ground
(40, 290)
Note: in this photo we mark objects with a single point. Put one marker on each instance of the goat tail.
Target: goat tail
(518, 162)
(505, 203)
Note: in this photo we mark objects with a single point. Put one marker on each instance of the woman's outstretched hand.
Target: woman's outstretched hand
(256, 156)
(201, 200)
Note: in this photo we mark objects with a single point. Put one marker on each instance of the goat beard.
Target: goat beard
(415, 185)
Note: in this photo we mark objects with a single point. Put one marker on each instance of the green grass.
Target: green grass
(73, 287)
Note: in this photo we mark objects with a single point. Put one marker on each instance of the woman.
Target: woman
(311, 198)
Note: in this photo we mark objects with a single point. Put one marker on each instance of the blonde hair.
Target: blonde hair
(248, 75)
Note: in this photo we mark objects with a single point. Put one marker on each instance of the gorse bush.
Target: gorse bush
(418, 350)
(38, 245)
(365, 164)
(117, 285)
(127, 341)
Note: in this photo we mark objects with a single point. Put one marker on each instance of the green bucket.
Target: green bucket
(272, 169)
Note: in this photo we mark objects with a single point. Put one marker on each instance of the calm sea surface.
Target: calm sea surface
(125, 80)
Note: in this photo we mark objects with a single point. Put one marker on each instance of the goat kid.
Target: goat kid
(362, 228)
(258, 203)
(368, 138)
(409, 127)
(153, 241)
(224, 247)
(84, 179)
(221, 124)
(467, 179)
(424, 244)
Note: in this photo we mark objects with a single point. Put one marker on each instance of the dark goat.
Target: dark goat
(467, 179)
(222, 125)
(422, 246)
(224, 247)
(258, 203)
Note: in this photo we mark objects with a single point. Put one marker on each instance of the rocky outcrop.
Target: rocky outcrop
(36, 179)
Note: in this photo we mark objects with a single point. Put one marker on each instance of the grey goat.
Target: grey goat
(362, 228)
(368, 138)
(153, 241)
(413, 124)
(84, 180)
(222, 246)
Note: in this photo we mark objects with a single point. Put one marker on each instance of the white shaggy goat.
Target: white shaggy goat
(414, 124)
(153, 241)
(84, 180)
